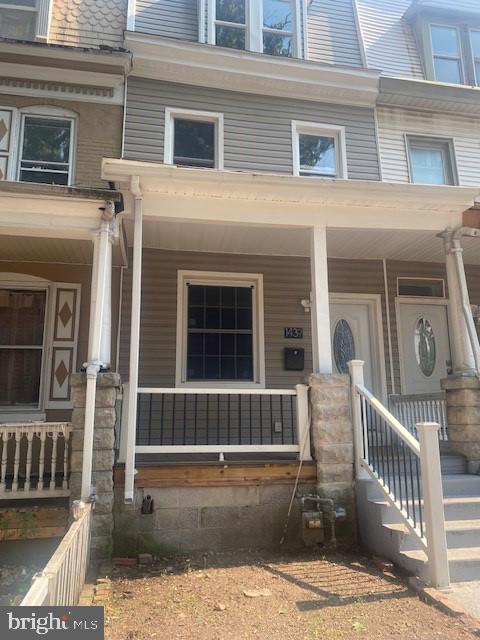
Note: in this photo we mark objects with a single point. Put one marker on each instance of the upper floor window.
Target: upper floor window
(318, 150)
(46, 150)
(278, 27)
(447, 59)
(37, 145)
(475, 44)
(193, 138)
(431, 160)
(24, 19)
(267, 26)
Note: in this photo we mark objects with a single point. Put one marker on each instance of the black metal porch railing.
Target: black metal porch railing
(173, 418)
(392, 454)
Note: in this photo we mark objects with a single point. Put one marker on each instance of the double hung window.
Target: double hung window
(22, 328)
(447, 57)
(431, 160)
(475, 44)
(318, 150)
(265, 26)
(18, 19)
(193, 138)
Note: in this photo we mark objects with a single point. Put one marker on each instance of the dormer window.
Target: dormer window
(447, 59)
(264, 26)
(475, 44)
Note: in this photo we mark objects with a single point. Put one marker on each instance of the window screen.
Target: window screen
(194, 143)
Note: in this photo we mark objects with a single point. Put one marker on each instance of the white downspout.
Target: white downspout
(134, 339)
(100, 271)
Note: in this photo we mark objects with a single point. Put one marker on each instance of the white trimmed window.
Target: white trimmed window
(446, 51)
(193, 138)
(220, 336)
(37, 144)
(319, 150)
(266, 26)
(431, 160)
(24, 19)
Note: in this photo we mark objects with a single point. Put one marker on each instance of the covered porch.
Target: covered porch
(330, 266)
(46, 273)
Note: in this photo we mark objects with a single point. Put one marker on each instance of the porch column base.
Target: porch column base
(108, 387)
(332, 440)
(463, 416)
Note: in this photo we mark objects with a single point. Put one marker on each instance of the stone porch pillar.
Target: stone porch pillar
(332, 440)
(108, 387)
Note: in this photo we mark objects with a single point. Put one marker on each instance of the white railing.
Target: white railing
(62, 580)
(34, 460)
(220, 421)
(412, 409)
(405, 469)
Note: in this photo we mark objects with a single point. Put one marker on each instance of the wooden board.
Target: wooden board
(27, 523)
(205, 475)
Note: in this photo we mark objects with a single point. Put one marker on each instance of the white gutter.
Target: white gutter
(135, 189)
(100, 272)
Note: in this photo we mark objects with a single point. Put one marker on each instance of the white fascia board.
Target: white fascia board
(192, 194)
(49, 217)
(206, 65)
(428, 95)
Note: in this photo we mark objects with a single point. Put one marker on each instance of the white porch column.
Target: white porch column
(101, 271)
(463, 335)
(134, 341)
(106, 338)
(321, 345)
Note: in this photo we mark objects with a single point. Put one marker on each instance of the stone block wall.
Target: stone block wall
(332, 442)
(108, 386)
(219, 518)
(463, 417)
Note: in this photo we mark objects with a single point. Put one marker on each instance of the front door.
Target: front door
(354, 337)
(423, 345)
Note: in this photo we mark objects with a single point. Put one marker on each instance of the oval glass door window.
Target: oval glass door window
(343, 345)
(425, 349)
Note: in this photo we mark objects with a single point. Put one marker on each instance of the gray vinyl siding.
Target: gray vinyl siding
(257, 129)
(388, 38)
(169, 18)
(332, 33)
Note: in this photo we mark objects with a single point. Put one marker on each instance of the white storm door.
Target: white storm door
(351, 330)
(423, 345)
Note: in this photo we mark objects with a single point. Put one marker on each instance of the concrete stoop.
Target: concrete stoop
(382, 531)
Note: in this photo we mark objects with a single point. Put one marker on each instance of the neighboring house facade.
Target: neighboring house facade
(61, 109)
(287, 167)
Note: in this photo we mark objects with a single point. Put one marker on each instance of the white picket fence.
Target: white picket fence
(34, 460)
(62, 580)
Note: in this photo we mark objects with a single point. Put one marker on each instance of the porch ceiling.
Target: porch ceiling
(362, 244)
(49, 250)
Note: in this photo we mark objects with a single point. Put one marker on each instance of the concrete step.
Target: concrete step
(462, 484)
(452, 463)
(455, 508)
(464, 564)
(461, 534)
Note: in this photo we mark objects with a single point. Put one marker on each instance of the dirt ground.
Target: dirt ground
(244, 595)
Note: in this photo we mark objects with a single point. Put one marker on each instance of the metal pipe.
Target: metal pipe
(134, 339)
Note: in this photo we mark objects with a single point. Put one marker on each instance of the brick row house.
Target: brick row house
(267, 191)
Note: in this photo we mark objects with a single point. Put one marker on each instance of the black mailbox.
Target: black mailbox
(294, 359)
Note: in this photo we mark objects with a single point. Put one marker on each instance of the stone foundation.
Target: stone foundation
(463, 417)
(332, 441)
(108, 386)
